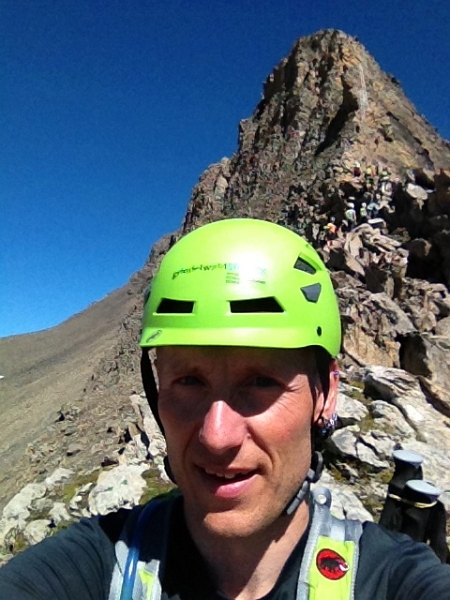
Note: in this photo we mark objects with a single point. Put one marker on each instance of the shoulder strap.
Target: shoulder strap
(330, 560)
(140, 557)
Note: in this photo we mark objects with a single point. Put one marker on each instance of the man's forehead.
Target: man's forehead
(174, 354)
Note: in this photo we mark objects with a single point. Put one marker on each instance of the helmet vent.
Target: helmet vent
(256, 305)
(312, 292)
(175, 307)
(302, 265)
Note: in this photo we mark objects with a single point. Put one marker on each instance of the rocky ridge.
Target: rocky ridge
(331, 130)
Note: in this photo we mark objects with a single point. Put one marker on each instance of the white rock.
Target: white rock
(381, 443)
(348, 407)
(59, 513)
(120, 487)
(6, 527)
(57, 477)
(75, 500)
(157, 447)
(36, 531)
(343, 442)
(413, 414)
(18, 507)
(390, 418)
(367, 455)
(403, 391)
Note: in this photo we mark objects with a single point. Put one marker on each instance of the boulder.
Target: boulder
(120, 487)
(59, 476)
(17, 512)
(36, 531)
(389, 418)
(403, 390)
(59, 514)
(18, 508)
(429, 357)
(350, 408)
(416, 194)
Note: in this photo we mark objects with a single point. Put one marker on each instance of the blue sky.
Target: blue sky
(110, 111)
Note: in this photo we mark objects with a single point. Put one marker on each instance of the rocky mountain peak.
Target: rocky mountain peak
(333, 93)
(324, 108)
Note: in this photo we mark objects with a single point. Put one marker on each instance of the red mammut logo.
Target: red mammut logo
(331, 565)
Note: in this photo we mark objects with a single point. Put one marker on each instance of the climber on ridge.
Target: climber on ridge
(331, 230)
(350, 215)
(363, 213)
(246, 327)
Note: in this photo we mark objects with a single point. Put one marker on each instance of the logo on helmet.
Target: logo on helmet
(201, 267)
(154, 335)
(237, 273)
(234, 272)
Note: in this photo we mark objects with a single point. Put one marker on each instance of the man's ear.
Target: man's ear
(325, 407)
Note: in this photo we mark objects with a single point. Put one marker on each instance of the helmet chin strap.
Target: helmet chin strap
(312, 476)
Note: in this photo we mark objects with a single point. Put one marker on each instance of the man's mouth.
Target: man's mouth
(226, 483)
(226, 476)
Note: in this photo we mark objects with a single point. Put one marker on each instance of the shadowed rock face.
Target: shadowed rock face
(327, 113)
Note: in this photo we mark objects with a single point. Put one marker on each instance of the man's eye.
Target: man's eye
(264, 382)
(189, 380)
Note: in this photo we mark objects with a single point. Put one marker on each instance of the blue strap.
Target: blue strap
(129, 575)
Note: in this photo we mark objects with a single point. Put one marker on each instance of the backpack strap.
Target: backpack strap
(330, 560)
(140, 558)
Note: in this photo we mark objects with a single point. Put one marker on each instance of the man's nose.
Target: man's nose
(223, 428)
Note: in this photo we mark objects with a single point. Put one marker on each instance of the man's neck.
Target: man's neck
(248, 568)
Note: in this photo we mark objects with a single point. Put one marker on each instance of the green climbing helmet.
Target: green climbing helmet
(242, 282)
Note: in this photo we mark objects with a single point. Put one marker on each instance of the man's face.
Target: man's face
(238, 426)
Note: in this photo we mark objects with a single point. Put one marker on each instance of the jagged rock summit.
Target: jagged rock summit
(325, 107)
(331, 134)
